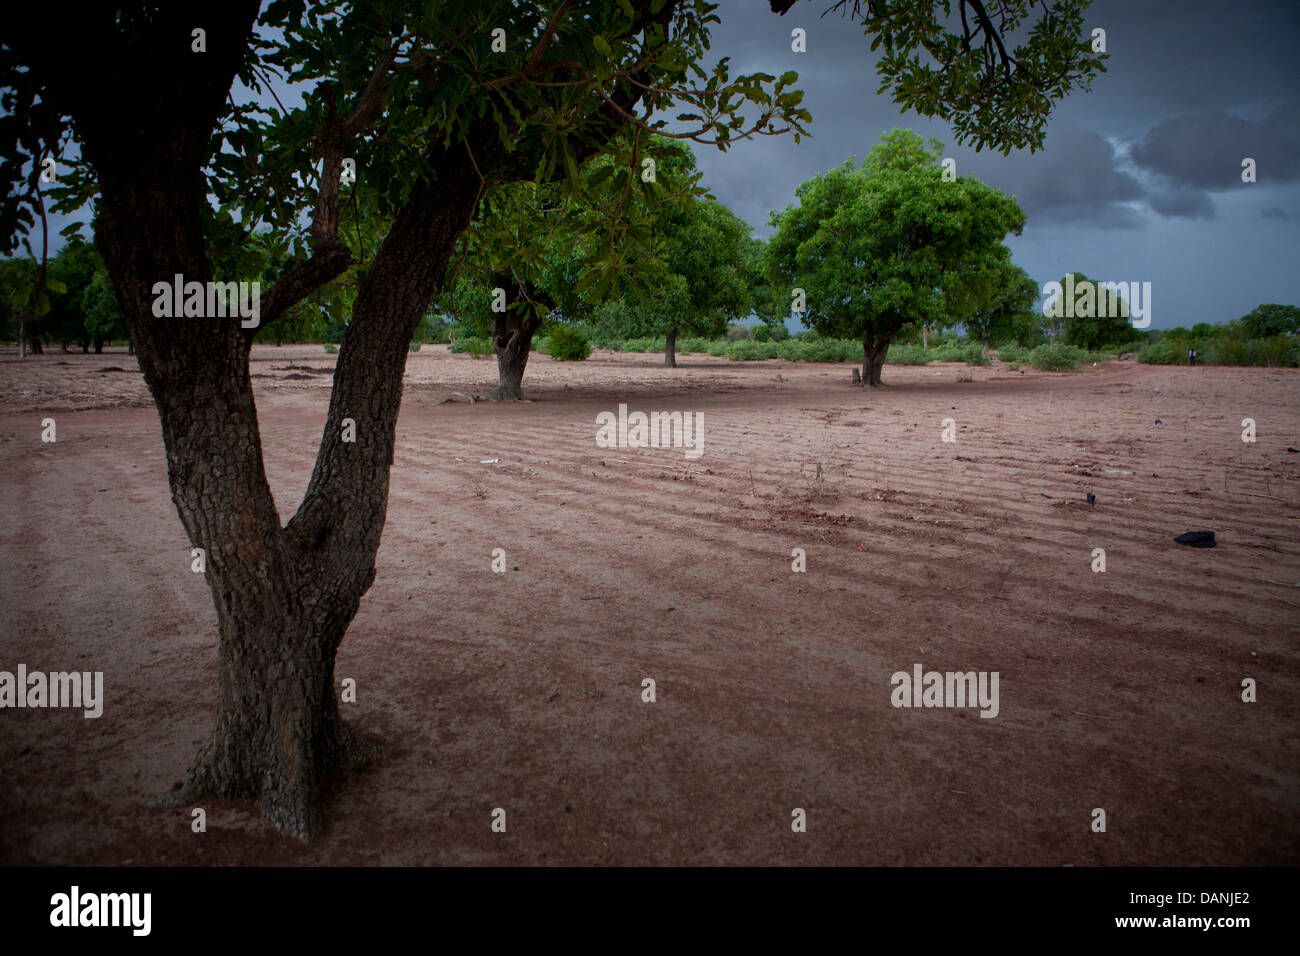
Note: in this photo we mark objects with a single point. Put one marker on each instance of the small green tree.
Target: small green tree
(1093, 314)
(874, 248)
(990, 295)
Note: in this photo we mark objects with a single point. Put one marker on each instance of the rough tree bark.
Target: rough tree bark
(874, 350)
(670, 349)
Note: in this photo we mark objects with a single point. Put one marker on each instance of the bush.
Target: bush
(1272, 352)
(415, 346)
(477, 347)
(567, 344)
(1164, 352)
(761, 333)
(748, 350)
(972, 353)
(907, 355)
(1013, 353)
(643, 345)
(1057, 357)
(331, 348)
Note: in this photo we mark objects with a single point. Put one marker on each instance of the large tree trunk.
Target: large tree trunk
(284, 595)
(34, 345)
(670, 349)
(874, 351)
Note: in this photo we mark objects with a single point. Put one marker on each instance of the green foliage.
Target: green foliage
(1055, 357)
(747, 349)
(907, 354)
(699, 285)
(1099, 314)
(1265, 321)
(1271, 352)
(878, 247)
(972, 353)
(567, 344)
(821, 350)
(475, 346)
(1275, 351)
(1013, 353)
(977, 82)
(331, 348)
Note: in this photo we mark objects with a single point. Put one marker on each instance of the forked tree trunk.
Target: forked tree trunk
(670, 349)
(284, 595)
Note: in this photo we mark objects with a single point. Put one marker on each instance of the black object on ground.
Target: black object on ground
(1197, 539)
(1092, 499)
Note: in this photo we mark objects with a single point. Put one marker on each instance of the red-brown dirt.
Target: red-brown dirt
(1119, 690)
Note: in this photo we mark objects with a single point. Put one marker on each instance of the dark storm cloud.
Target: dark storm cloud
(1184, 203)
(1075, 179)
(1206, 149)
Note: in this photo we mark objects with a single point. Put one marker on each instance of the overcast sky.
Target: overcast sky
(1138, 180)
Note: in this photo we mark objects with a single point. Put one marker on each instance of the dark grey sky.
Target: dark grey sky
(1138, 180)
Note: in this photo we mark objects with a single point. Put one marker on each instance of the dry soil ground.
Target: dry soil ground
(1120, 690)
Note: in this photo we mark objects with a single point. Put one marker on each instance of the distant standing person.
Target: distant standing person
(1191, 357)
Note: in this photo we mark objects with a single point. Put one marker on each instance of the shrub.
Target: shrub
(761, 333)
(1164, 352)
(477, 347)
(907, 355)
(1057, 357)
(1272, 352)
(331, 348)
(1013, 353)
(415, 346)
(567, 344)
(972, 353)
(643, 345)
(747, 350)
